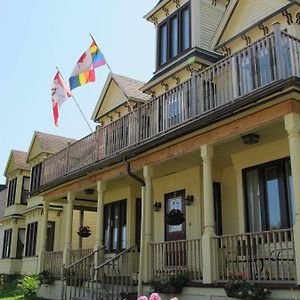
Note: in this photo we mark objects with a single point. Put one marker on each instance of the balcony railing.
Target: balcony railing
(177, 257)
(268, 60)
(264, 256)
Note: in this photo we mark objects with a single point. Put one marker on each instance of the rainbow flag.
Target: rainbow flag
(84, 70)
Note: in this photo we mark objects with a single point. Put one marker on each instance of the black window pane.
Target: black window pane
(31, 237)
(174, 36)
(185, 29)
(163, 42)
(7, 243)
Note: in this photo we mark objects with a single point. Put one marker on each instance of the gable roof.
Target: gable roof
(130, 87)
(49, 143)
(232, 9)
(18, 158)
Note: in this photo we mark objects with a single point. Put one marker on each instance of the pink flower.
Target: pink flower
(154, 296)
(142, 298)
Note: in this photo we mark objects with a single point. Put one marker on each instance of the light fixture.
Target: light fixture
(157, 206)
(189, 199)
(251, 138)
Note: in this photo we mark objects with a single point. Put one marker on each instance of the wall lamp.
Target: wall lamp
(251, 138)
(157, 206)
(189, 199)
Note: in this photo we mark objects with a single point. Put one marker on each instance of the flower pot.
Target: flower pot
(83, 234)
(175, 217)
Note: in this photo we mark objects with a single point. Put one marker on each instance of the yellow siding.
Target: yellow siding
(188, 180)
(210, 17)
(248, 13)
(34, 151)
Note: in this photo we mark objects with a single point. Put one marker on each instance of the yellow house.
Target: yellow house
(202, 177)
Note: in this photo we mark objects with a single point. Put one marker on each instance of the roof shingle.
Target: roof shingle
(20, 160)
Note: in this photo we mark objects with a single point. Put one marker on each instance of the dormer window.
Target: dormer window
(174, 35)
(36, 173)
(11, 196)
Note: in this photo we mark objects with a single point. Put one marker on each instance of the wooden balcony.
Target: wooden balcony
(229, 85)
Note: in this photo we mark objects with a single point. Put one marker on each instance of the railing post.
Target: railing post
(69, 217)
(194, 94)
(278, 50)
(292, 126)
(68, 157)
(235, 79)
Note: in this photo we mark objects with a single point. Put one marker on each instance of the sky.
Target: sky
(37, 35)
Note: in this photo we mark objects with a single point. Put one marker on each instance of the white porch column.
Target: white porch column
(101, 187)
(292, 126)
(69, 219)
(148, 174)
(43, 236)
(208, 254)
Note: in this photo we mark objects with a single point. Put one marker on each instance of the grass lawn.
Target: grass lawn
(11, 292)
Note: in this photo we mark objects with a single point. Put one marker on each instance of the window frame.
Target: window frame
(7, 239)
(167, 22)
(25, 192)
(284, 201)
(12, 192)
(31, 239)
(36, 175)
(121, 205)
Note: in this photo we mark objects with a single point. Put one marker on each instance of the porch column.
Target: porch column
(148, 174)
(292, 126)
(208, 254)
(43, 235)
(101, 187)
(69, 219)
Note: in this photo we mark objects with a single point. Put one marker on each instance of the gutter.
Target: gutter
(134, 176)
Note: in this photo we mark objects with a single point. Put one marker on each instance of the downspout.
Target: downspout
(142, 247)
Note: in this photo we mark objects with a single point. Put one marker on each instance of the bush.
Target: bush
(46, 277)
(1, 282)
(29, 284)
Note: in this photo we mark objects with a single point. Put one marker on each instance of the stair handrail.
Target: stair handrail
(115, 257)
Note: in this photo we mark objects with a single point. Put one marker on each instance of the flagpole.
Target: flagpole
(112, 75)
(77, 105)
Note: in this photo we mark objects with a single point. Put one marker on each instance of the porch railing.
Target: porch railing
(266, 61)
(116, 276)
(77, 254)
(177, 257)
(52, 261)
(77, 277)
(263, 256)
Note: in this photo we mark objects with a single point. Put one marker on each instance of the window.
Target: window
(36, 173)
(174, 35)
(115, 226)
(6, 243)
(31, 237)
(11, 196)
(218, 207)
(269, 196)
(50, 236)
(25, 190)
(138, 224)
(20, 243)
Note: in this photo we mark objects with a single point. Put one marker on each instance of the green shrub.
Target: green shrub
(1, 283)
(29, 284)
(46, 277)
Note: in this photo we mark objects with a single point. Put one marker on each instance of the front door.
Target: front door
(175, 252)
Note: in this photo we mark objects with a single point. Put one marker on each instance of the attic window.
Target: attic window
(174, 36)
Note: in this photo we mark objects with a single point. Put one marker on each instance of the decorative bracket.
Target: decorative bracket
(154, 20)
(246, 38)
(128, 107)
(118, 113)
(228, 2)
(264, 28)
(166, 86)
(288, 15)
(226, 50)
(214, 2)
(177, 2)
(110, 118)
(190, 69)
(153, 94)
(298, 18)
(176, 78)
(166, 11)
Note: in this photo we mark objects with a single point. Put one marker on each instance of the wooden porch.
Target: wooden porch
(209, 95)
(261, 257)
